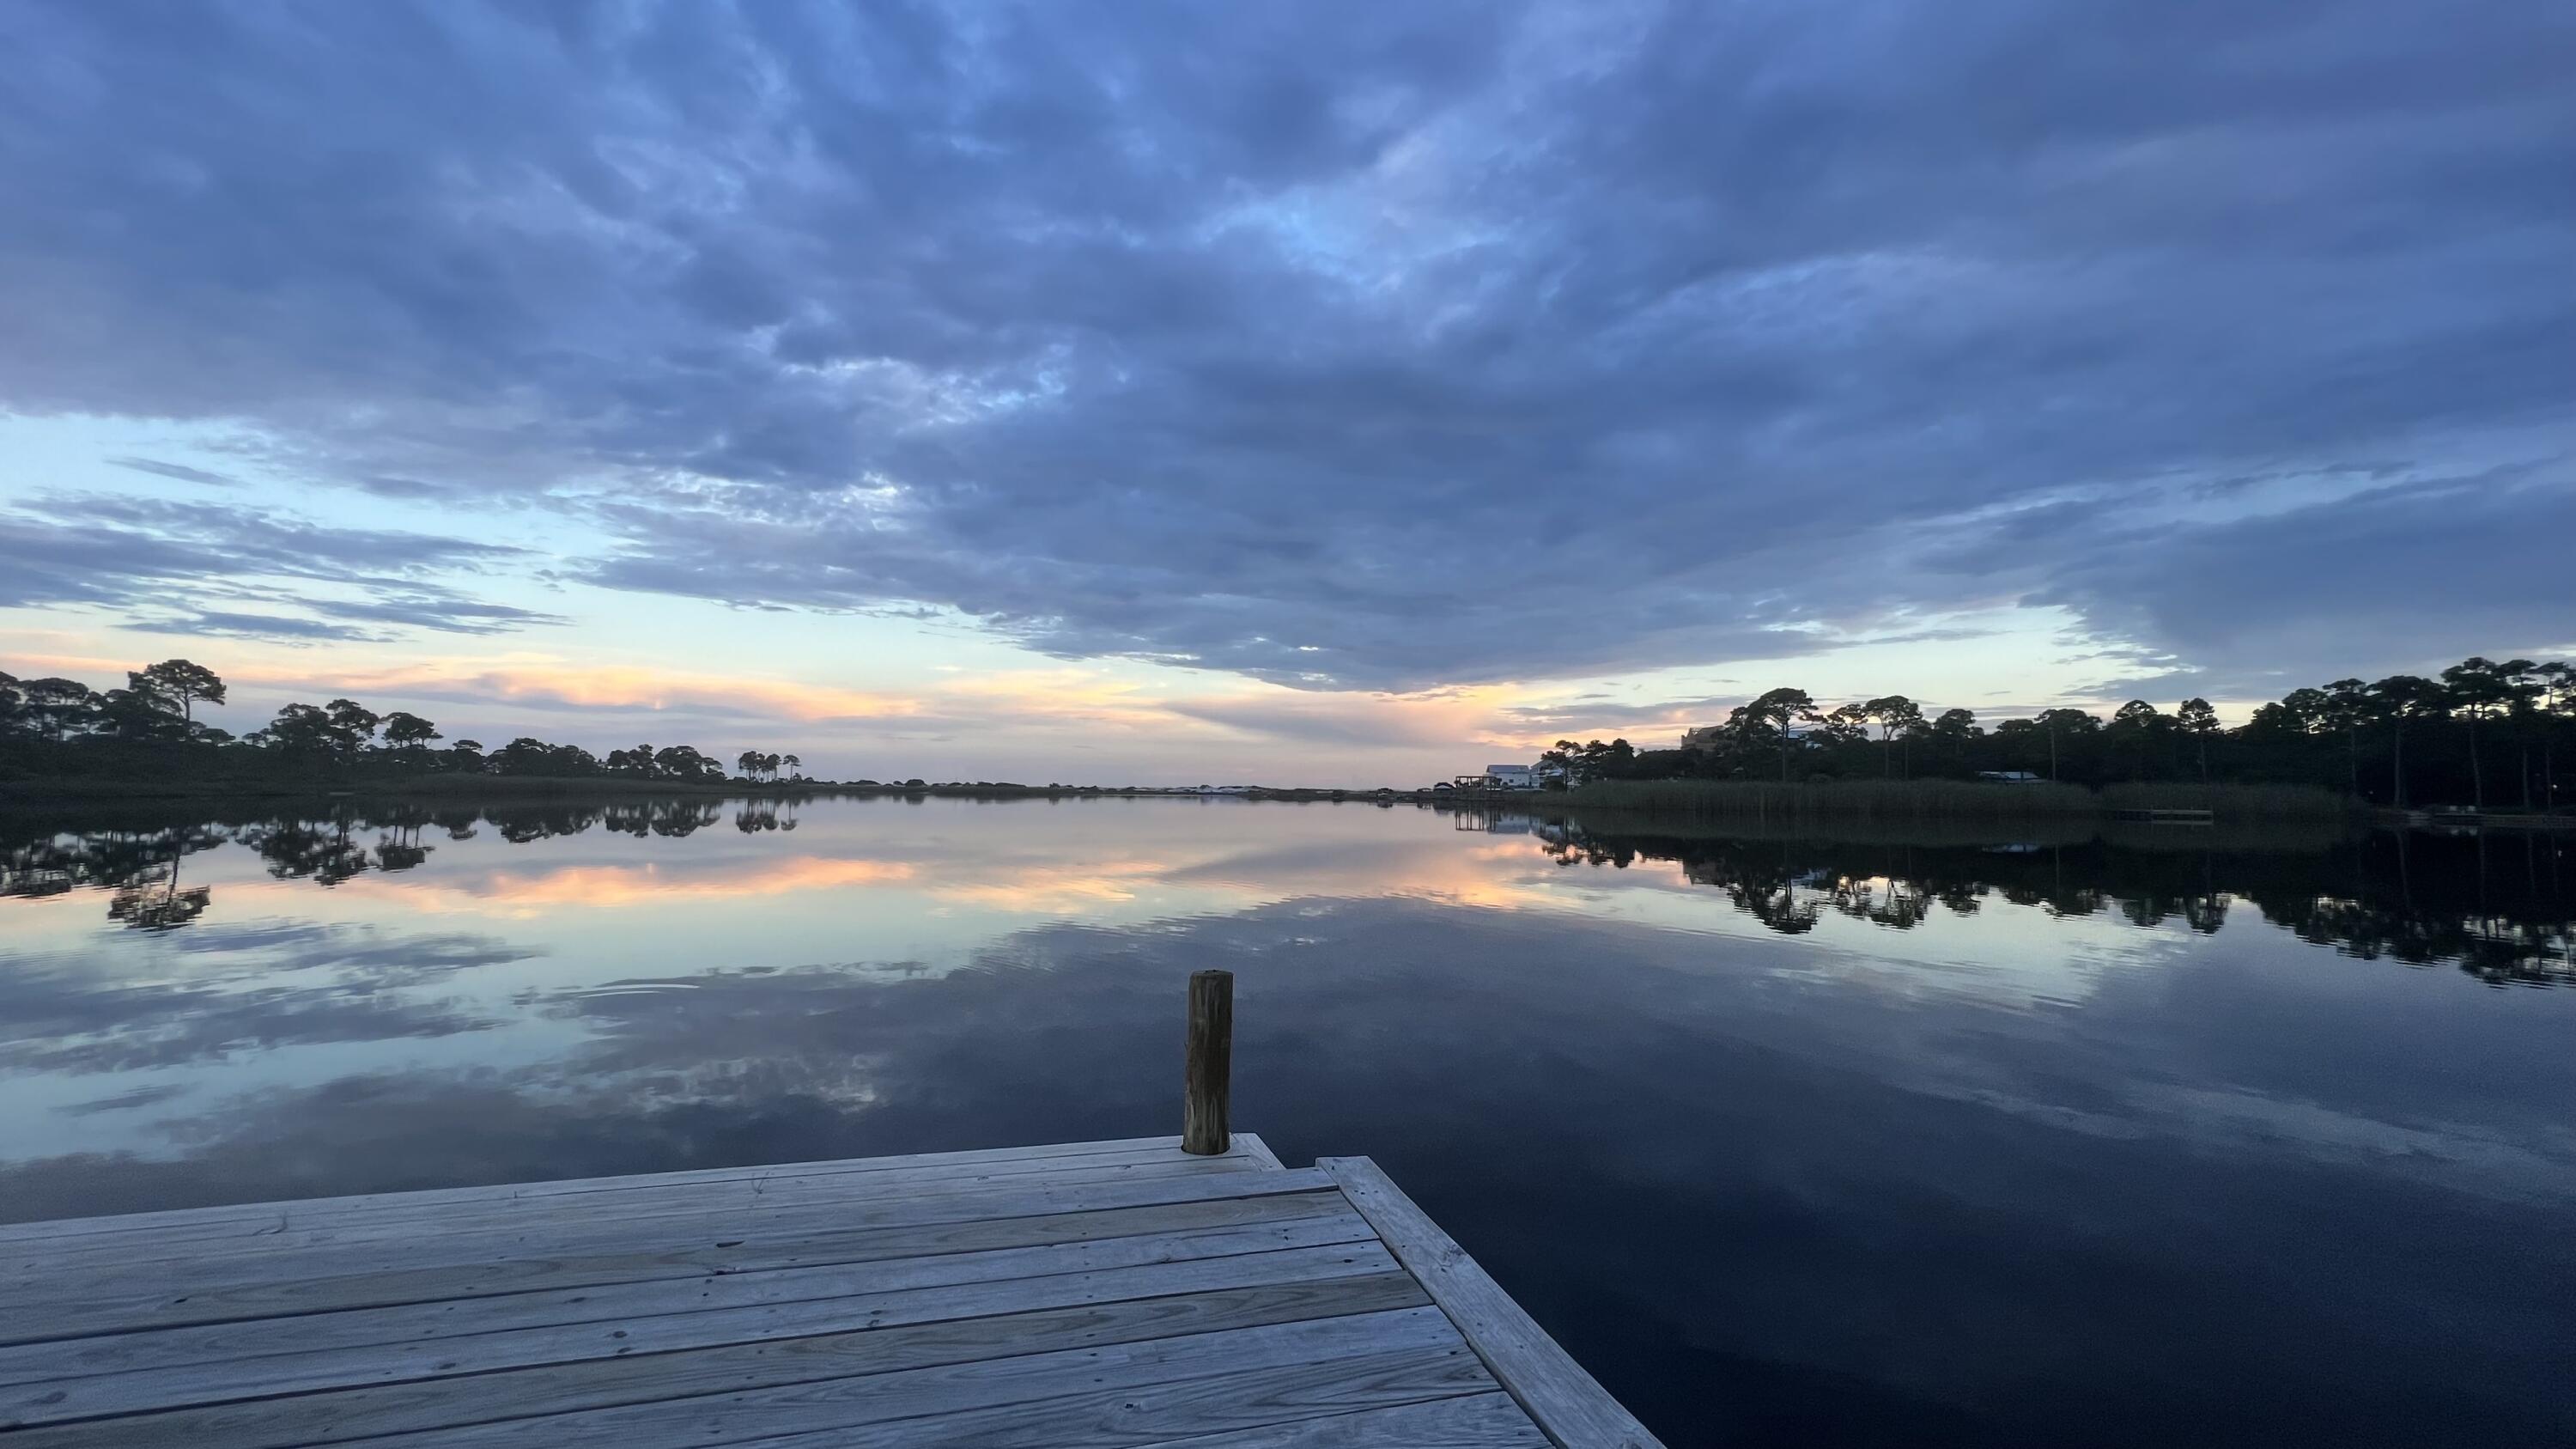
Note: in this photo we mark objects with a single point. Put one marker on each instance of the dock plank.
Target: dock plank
(1159, 1234)
(987, 1382)
(1472, 1421)
(841, 1304)
(1084, 1295)
(42, 1305)
(1120, 1416)
(1567, 1402)
(13, 1233)
(603, 1382)
(459, 1228)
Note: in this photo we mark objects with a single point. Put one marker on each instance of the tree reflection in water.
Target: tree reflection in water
(141, 865)
(2498, 907)
(755, 816)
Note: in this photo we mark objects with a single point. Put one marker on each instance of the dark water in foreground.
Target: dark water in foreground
(2176, 1140)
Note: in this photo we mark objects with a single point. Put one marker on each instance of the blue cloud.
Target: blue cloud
(182, 567)
(180, 471)
(1351, 345)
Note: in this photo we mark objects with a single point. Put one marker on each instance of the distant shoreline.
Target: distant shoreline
(1676, 801)
(78, 789)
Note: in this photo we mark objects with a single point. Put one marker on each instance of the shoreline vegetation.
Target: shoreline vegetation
(1979, 809)
(2486, 736)
(1961, 800)
(2500, 910)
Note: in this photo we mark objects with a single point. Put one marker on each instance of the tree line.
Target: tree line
(2484, 733)
(2421, 899)
(157, 707)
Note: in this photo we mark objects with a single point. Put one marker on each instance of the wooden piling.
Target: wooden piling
(1207, 1072)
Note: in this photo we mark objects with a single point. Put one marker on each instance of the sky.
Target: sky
(1332, 393)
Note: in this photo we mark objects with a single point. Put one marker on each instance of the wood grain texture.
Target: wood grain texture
(1080, 1295)
(254, 1213)
(1207, 1064)
(461, 1225)
(1575, 1410)
(610, 1382)
(1250, 1145)
(842, 1300)
(43, 1305)
(1120, 1415)
(878, 1401)
(1472, 1421)
(1158, 1235)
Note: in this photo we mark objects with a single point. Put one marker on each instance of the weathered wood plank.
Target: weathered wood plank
(1235, 1294)
(41, 1306)
(1575, 1411)
(1320, 1349)
(364, 1202)
(1122, 1416)
(1153, 1234)
(1474, 1421)
(601, 1383)
(707, 1312)
(466, 1225)
(1126, 1296)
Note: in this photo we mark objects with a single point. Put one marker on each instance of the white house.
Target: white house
(1513, 777)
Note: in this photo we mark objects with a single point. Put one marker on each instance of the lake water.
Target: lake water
(2178, 1138)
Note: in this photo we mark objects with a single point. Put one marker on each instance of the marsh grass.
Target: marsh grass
(1867, 801)
(1862, 800)
(2232, 802)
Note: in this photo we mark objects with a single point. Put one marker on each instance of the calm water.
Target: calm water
(2178, 1139)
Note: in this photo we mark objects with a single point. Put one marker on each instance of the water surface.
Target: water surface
(2176, 1137)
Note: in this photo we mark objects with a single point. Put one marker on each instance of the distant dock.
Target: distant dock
(1151, 1291)
(2166, 817)
(2466, 818)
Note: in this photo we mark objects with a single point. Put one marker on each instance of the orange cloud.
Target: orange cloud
(624, 885)
(1054, 889)
(1146, 704)
(538, 679)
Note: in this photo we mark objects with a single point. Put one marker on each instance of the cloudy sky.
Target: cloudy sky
(1332, 392)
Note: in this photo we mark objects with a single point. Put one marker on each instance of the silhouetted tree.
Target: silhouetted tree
(2348, 705)
(1773, 714)
(137, 714)
(355, 723)
(409, 732)
(183, 683)
(2199, 723)
(2558, 683)
(2525, 690)
(1896, 716)
(2473, 688)
(301, 729)
(56, 707)
(2136, 723)
(683, 762)
(2402, 699)
(2064, 721)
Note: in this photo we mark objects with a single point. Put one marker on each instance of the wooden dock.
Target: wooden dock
(2166, 817)
(1078, 1294)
